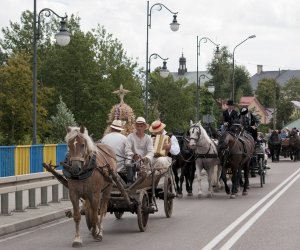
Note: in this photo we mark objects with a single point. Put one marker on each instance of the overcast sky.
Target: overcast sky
(276, 24)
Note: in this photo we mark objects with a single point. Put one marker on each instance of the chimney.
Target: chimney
(259, 69)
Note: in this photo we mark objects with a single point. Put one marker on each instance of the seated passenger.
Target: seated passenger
(139, 146)
(117, 142)
(167, 146)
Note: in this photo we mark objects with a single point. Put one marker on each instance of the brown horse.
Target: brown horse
(87, 169)
(235, 152)
(294, 142)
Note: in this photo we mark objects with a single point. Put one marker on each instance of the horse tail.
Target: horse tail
(216, 173)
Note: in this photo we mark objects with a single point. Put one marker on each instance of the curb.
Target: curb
(32, 222)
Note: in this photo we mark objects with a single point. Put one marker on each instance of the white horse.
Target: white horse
(206, 156)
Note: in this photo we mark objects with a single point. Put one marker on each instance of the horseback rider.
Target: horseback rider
(249, 121)
(250, 124)
(230, 115)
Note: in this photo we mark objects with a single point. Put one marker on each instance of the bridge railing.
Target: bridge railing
(21, 192)
(28, 159)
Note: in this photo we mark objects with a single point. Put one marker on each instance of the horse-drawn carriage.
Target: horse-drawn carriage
(90, 174)
(142, 197)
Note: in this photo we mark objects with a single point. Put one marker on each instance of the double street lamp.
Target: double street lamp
(217, 54)
(62, 39)
(250, 37)
(174, 27)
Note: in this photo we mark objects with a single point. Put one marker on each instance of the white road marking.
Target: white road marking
(233, 225)
(249, 223)
(32, 231)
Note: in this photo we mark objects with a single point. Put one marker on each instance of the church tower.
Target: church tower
(182, 66)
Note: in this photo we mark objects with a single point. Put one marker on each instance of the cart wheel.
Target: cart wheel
(261, 171)
(142, 210)
(118, 215)
(168, 199)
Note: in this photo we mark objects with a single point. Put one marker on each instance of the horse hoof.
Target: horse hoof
(209, 195)
(179, 195)
(199, 195)
(232, 196)
(245, 193)
(190, 194)
(98, 237)
(77, 243)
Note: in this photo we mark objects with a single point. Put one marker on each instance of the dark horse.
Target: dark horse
(294, 143)
(274, 144)
(184, 162)
(88, 168)
(235, 152)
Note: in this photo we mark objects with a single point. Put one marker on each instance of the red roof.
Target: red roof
(246, 100)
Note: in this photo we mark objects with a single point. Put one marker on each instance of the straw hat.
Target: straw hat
(117, 124)
(141, 120)
(157, 126)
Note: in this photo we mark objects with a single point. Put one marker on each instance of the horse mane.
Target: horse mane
(75, 131)
(203, 131)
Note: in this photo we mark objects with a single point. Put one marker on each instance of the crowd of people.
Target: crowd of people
(156, 151)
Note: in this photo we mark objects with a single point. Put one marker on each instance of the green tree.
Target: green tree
(173, 101)
(221, 70)
(58, 123)
(265, 92)
(84, 73)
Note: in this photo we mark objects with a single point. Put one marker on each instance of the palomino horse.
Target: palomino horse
(185, 162)
(87, 169)
(235, 152)
(206, 156)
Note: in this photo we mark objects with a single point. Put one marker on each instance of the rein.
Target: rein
(206, 155)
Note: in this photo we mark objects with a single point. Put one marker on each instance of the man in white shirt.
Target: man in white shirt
(117, 142)
(139, 148)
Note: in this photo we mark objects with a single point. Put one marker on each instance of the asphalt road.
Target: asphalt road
(267, 218)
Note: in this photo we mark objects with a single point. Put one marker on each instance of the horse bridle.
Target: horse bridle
(81, 158)
(194, 138)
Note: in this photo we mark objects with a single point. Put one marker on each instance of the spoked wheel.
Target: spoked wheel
(118, 215)
(168, 196)
(261, 172)
(142, 210)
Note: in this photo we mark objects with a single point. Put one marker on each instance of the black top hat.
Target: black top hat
(244, 110)
(230, 102)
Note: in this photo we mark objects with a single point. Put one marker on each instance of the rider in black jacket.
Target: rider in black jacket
(249, 121)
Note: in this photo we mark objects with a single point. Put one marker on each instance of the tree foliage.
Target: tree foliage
(171, 101)
(59, 122)
(84, 73)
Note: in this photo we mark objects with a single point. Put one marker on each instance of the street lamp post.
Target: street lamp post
(174, 27)
(164, 72)
(250, 37)
(62, 39)
(217, 54)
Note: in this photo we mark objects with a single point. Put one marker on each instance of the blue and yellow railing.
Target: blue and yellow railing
(27, 159)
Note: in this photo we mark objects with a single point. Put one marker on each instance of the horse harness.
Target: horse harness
(206, 155)
(91, 166)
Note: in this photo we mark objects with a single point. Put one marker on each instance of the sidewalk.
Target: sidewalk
(33, 217)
